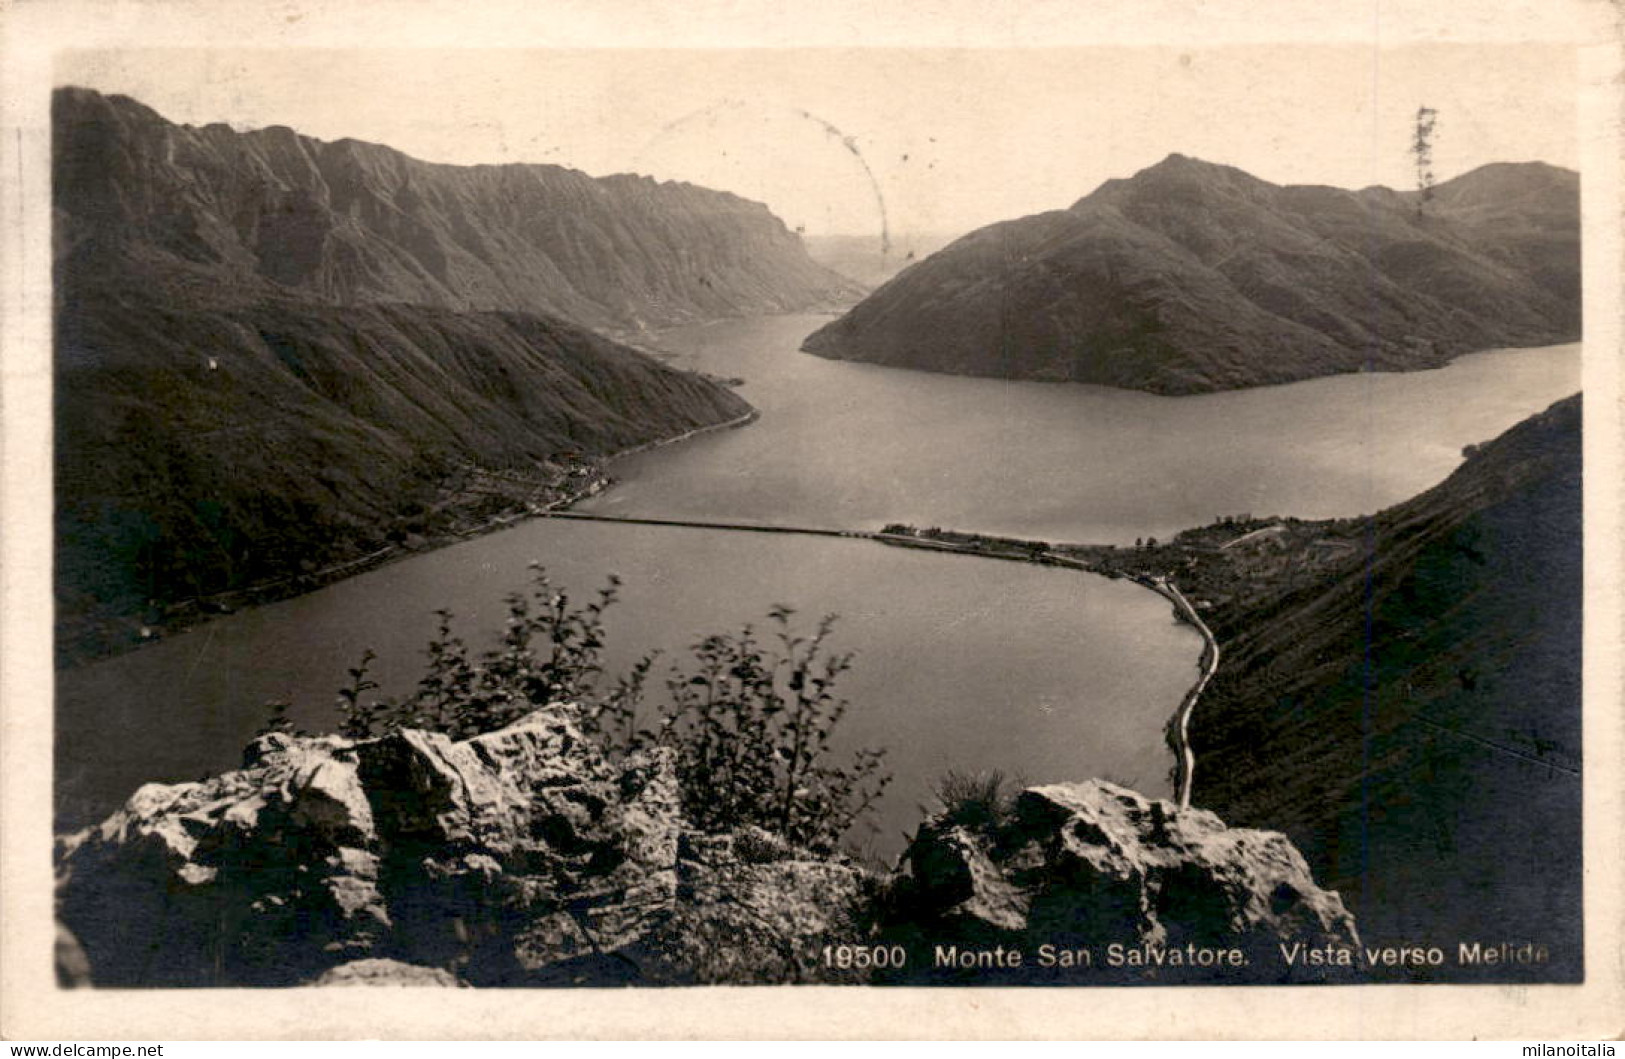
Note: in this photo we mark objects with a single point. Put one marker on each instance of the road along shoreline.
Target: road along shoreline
(1208, 664)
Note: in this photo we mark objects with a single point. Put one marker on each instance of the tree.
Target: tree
(1422, 149)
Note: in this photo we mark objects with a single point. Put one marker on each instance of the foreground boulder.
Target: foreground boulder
(524, 856)
(1147, 891)
(491, 858)
(527, 857)
(390, 973)
(755, 908)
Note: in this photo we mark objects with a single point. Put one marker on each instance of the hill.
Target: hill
(1400, 695)
(349, 222)
(208, 450)
(277, 357)
(1191, 277)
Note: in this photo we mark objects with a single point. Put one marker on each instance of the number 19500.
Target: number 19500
(863, 957)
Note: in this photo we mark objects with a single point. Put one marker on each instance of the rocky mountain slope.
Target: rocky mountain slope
(1081, 867)
(1401, 696)
(348, 222)
(206, 446)
(525, 857)
(1191, 277)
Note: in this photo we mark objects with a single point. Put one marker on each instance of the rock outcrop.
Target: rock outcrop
(1190, 277)
(753, 908)
(1086, 866)
(519, 857)
(387, 973)
(526, 857)
(491, 858)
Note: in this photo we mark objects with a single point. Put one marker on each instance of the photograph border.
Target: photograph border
(32, 1007)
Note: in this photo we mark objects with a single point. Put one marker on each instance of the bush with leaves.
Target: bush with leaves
(550, 651)
(751, 720)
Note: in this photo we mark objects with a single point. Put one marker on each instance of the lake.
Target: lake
(961, 662)
(847, 445)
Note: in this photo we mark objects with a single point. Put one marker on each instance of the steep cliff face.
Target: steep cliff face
(351, 222)
(1191, 277)
(526, 857)
(1401, 697)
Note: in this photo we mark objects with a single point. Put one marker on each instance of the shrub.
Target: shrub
(751, 721)
(980, 802)
(550, 651)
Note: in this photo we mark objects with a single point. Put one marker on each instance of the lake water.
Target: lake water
(848, 445)
(961, 662)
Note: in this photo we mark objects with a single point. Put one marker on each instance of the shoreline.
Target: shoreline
(1010, 549)
(1043, 553)
(1086, 558)
(648, 446)
(1420, 369)
(200, 610)
(1109, 561)
(1180, 724)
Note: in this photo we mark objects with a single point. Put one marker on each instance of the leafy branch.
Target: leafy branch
(752, 718)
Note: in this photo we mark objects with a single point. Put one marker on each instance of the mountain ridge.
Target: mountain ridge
(277, 357)
(1434, 680)
(348, 221)
(1190, 277)
(210, 451)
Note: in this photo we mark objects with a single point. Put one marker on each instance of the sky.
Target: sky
(856, 141)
